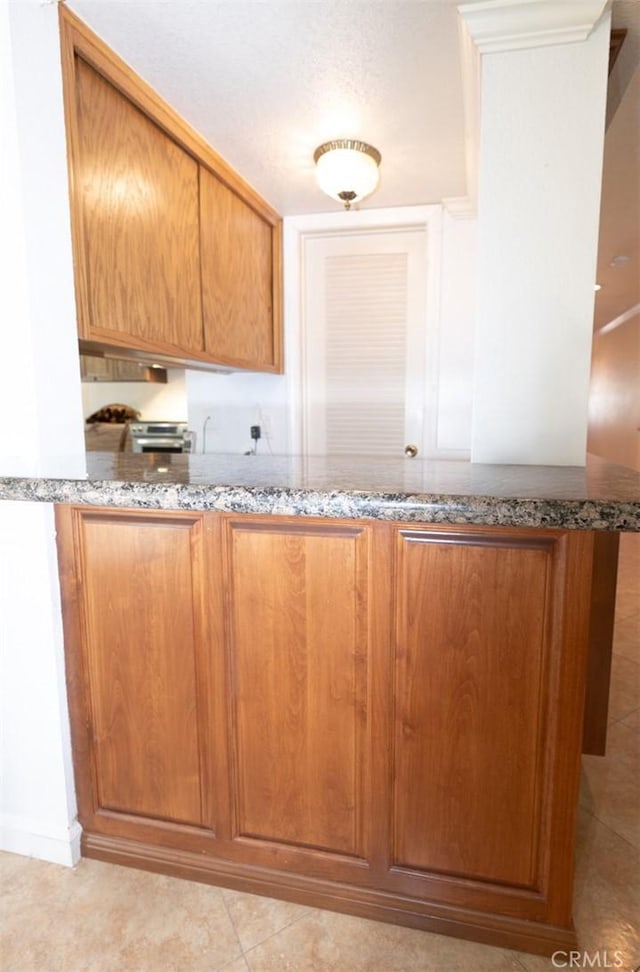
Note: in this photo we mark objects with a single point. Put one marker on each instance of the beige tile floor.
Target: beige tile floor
(102, 918)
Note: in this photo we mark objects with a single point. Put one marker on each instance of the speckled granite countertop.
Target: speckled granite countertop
(600, 496)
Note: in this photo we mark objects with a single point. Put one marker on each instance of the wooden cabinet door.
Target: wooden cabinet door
(240, 285)
(297, 642)
(139, 672)
(487, 639)
(136, 206)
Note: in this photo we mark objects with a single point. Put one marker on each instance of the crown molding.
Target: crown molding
(513, 25)
(464, 207)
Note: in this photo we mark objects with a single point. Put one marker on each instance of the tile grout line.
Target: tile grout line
(273, 934)
(617, 722)
(233, 925)
(520, 962)
(611, 830)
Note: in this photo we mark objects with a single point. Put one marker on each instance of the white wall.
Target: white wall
(40, 401)
(37, 801)
(542, 132)
(17, 388)
(159, 402)
(45, 335)
(230, 404)
(456, 338)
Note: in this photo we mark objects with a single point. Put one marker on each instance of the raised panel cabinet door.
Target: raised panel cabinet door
(143, 659)
(298, 656)
(136, 193)
(472, 676)
(239, 270)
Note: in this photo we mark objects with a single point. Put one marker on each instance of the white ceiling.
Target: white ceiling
(266, 81)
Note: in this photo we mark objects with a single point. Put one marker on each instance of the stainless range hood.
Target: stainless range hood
(94, 368)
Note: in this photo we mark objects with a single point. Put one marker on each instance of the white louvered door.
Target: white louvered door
(364, 343)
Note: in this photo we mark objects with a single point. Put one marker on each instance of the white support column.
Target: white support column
(543, 92)
(40, 395)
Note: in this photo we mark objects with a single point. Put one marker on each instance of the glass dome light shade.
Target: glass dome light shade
(347, 170)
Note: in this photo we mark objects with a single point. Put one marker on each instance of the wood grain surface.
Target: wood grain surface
(142, 663)
(381, 718)
(298, 655)
(602, 616)
(134, 170)
(77, 37)
(139, 198)
(237, 277)
(470, 645)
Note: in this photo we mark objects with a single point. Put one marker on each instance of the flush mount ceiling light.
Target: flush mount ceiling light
(347, 170)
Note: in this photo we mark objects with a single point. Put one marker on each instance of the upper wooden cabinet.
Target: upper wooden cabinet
(139, 200)
(176, 257)
(237, 254)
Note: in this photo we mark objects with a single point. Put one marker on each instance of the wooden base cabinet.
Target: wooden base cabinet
(383, 719)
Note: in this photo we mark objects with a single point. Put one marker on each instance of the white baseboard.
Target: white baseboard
(33, 838)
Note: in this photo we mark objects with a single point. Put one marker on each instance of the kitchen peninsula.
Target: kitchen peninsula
(358, 684)
(600, 496)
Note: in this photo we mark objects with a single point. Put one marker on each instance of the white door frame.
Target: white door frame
(295, 230)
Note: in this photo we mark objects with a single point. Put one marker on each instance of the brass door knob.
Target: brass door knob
(411, 451)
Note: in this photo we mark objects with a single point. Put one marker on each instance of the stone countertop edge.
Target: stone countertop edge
(403, 507)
